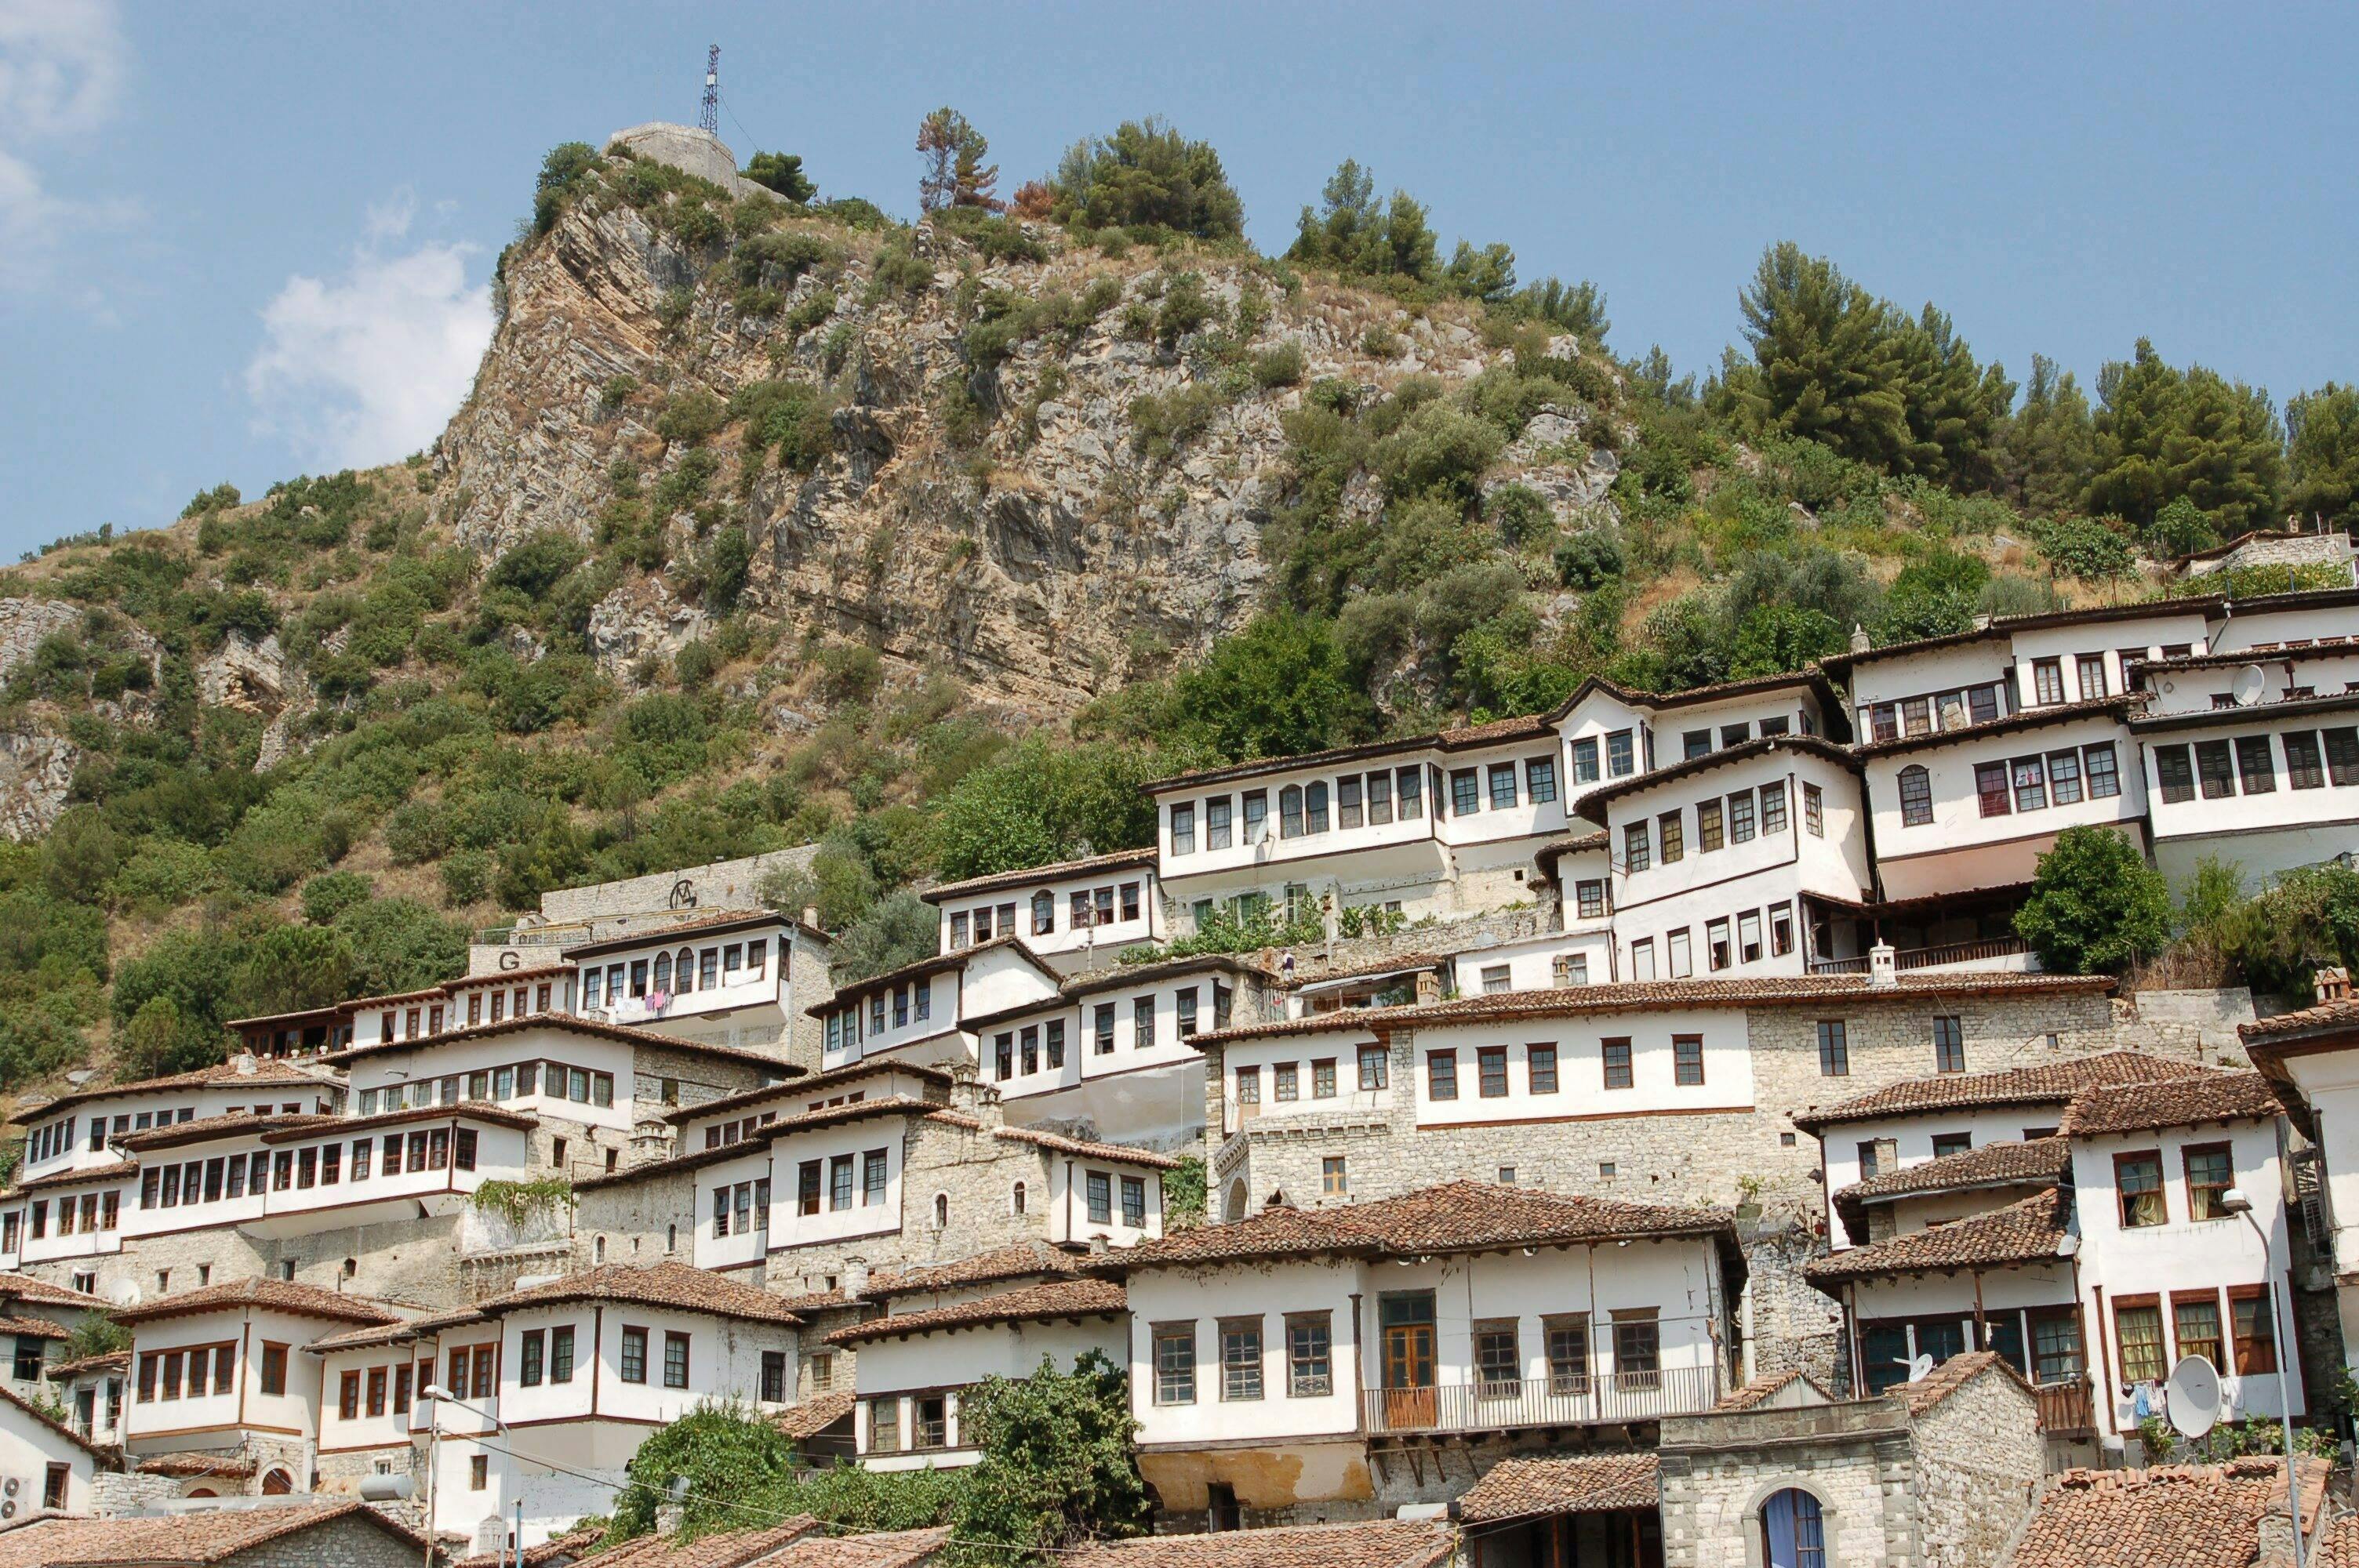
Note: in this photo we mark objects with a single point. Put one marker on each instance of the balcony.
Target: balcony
(2064, 1407)
(2010, 953)
(1609, 1399)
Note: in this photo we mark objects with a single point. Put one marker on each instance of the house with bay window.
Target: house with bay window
(1074, 915)
(743, 979)
(916, 1012)
(1317, 1364)
(1733, 863)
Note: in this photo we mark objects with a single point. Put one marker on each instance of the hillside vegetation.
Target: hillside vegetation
(772, 519)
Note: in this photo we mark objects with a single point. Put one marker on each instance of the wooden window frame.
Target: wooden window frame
(2122, 1195)
(2150, 1302)
(2187, 1173)
(2266, 1295)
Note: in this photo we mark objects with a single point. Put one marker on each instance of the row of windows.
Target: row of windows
(282, 1170)
(2196, 1325)
(199, 1369)
(1374, 799)
(523, 1080)
(1694, 743)
(1035, 1046)
(1951, 709)
(930, 1423)
(834, 1177)
(741, 1129)
(2023, 783)
(1287, 1079)
(1620, 756)
(424, 1021)
(728, 964)
(2219, 765)
(48, 1141)
(748, 1205)
(91, 1214)
(520, 1000)
(1540, 1067)
(1088, 908)
(381, 1382)
(1729, 940)
(1097, 1192)
(101, 1130)
(905, 1003)
(1744, 815)
(2209, 1170)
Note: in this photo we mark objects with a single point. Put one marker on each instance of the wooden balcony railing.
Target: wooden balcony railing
(1930, 957)
(1543, 1401)
(2064, 1407)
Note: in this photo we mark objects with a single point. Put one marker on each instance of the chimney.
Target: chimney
(855, 1278)
(1860, 642)
(2331, 984)
(811, 917)
(1428, 987)
(668, 1517)
(1883, 967)
(243, 1063)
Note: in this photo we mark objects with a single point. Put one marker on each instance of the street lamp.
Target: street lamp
(2234, 1201)
(439, 1394)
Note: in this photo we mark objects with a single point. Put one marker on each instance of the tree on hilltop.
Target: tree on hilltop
(955, 175)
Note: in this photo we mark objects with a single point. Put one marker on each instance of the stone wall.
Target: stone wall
(115, 1493)
(1979, 1465)
(347, 1543)
(662, 897)
(2212, 1015)
(1718, 1471)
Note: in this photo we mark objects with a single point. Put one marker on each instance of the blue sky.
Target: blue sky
(245, 243)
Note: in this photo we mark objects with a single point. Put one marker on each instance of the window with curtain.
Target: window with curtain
(2139, 1329)
(2138, 1179)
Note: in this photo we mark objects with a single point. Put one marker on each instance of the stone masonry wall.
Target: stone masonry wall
(1979, 1464)
(1756, 1158)
(1719, 1470)
(346, 1542)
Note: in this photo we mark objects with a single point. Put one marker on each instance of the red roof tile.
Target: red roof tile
(40, 1292)
(226, 1074)
(1118, 1153)
(659, 1284)
(2188, 1516)
(812, 1083)
(2326, 1017)
(1761, 1390)
(2176, 1102)
(800, 1542)
(2026, 1232)
(2040, 1162)
(1030, 874)
(61, 1542)
(1034, 1303)
(815, 1415)
(271, 1295)
(1591, 1483)
(1376, 1543)
(1950, 1377)
(1019, 1261)
(56, 1426)
(2042, 1083)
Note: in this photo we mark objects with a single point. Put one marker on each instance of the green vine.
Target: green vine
(518, 1201)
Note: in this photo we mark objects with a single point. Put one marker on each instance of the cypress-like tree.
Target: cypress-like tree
(2047, 452)
(2323, 456)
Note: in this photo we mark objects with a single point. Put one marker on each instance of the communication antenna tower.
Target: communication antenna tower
(709, 116)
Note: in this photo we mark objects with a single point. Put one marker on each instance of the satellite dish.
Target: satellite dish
(1920, 1368)
(2194, 1393)
(124, 1293)
(2251, 682)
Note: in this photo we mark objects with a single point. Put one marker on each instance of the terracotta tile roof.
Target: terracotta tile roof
(1030, 874)
(2188, 1516)
(1947, 1378)
(389, 1333)
(1641, 996)
(573, 1543)
(1555, 849)
(1375, 1543)
(2043, 1083)
(40, 1292)
(1034, 1303)
(60, 1541)
(1119, 977)
(2005, 625)
(226, 1073)
(484, 1110)
(2338, 1545)
(503, 978)
(204, 1128)
(800, 1542)
(2326, 1016)
(659, 1284)
(1762, 1388)
(1592, 805)
(1457, 1217)
(113, 1171)
(2040, 1162)
(1592, 1483)
(272, 1295)
(1118, 1153)
(1023, 1258)
(1305, 974)
(42, 1416)
(2176, 1102)
(33, 1327)
(815, 1415)
(113, 1361)
(186, 1464)
(2024, 1232)
(810, 1083)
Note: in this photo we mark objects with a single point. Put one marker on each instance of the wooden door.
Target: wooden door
(1408, 1375)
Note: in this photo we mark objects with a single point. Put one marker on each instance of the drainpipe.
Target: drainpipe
(1359, 1375)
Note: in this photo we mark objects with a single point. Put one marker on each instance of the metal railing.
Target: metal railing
(1930, 957)
(1543, 1401)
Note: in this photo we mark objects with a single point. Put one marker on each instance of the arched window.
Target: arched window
(598, 1249)
(941, 1211)
(671, 1238)
(1916, 796)
(1044, 913)
(1018, 1197)
(1234, 1209)
(663, 971)
(1794, 1531)
(278, 1484)
(683, 970)
(1289, 812)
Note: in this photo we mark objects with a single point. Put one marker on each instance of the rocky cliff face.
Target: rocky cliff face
(1046, 560)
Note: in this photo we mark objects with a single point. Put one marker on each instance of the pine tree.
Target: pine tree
(2165, 434)
(1825, 359)
(1358, 235)
(955, 174)
(2047, 451)
(2323, 456)
(1955, 407)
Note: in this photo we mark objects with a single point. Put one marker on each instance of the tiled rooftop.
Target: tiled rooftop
(2023, 1232)
(2187, 1516)
(2041, 1162)
(673, 1285)
(2177, 1102)
(2042, 1083)
(63, 1541)
(1025, 1258)
(1034, 1303)
(1376, 1543)
(1591, 1483)
(224, 1075)
(271, 1295)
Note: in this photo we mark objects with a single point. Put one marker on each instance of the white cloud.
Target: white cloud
(367, 367)
(62, 64)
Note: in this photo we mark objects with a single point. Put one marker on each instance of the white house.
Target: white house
(1275, 1362)
(1075, 915)
(218, 1370)
(586, 1367)
(2265, 786)
(45, 1465)
(93, 1389)
(37, 1318)
(915, 1012)
(916, 1362)
(2312, 1059)
(740, 978)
